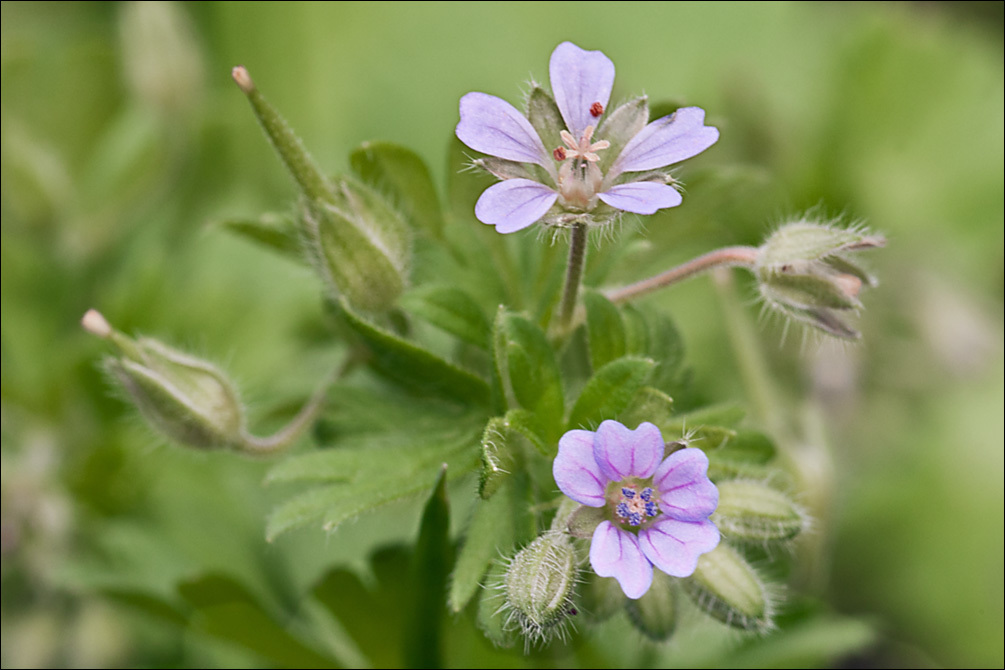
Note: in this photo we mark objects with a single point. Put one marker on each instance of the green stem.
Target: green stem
(291, 150)
(288, 435)
(726, 257)
(573, 275)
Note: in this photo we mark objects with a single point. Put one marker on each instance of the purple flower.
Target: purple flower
(559, 174)
(657, 508)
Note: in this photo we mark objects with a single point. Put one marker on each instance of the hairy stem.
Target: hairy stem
(726, 257)
(573, 275)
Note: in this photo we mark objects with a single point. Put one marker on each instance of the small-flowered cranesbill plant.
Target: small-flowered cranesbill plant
(586, 505)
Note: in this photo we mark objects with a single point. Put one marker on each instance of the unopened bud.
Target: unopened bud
(750, 511)
(539, 586)
(805, 272)
(361, 246)
(189, 400)
(727, 588)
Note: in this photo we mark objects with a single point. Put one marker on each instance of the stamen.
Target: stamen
(635, 507)
(596, 109)
(559, 154)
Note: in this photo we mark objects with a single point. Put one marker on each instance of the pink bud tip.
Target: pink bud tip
(243, 79)
(96, 324)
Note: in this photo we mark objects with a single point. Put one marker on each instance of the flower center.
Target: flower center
(635, 504)
(579, 178)
(584, 148)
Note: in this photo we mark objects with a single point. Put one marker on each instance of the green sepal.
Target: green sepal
(403, 175)
(273, 230)
(655, 613)
(620, 126)
(186, 398)
(605, 331)
(728, 589)
(413, 366)
(610, 391)
(544, 115)
(753, 512)
(452, 309)
(360, 245)
(803, 240)
(800, 286)
(584, 520)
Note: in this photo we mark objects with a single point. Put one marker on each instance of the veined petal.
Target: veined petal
(620, 452)
(641, 197)
(674, 546)
(665, 141)
(514, 204)
(493, 126)
(576, 471)
(686, 493)
(616, 553)
(580, 78)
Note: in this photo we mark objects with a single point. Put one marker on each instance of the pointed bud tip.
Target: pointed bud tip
(243, 79)
(96, 324)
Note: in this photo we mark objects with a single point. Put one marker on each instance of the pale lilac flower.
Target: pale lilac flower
(559, 174)
(657, 508)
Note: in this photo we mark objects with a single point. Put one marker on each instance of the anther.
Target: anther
(596, 109)
(559, 154)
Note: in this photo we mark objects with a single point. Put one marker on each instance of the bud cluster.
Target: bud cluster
(805, 271)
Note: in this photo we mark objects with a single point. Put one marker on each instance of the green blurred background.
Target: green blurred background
(123, 137)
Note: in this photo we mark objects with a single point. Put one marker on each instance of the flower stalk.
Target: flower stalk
(726, 257)
(573, 275)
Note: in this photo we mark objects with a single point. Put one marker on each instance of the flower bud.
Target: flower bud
(727, 588)
(805, 272)
(750, 511)
(539, 586)
(185, 398)
(359, 244)
(188, 399)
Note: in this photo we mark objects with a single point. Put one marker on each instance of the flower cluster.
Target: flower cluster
(558, 173)
(655, 508)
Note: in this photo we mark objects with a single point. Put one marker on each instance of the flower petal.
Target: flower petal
(641, 197)
(493, 126)
(514, 204)
(580, 78)
(666, 141)
(686, 493)
(576, 471)
(616, 553)
(674, 546)
(621, 452)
